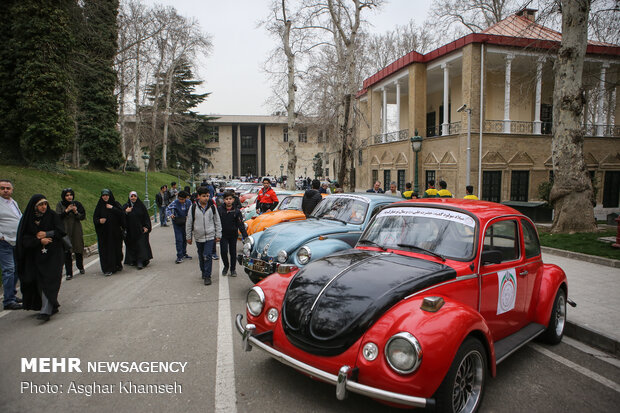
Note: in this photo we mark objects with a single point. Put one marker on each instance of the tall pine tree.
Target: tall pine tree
(99, 139)
(41, 92)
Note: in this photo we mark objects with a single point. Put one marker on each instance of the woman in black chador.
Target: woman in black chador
(109, 219)
(138, 224)
(40, 256)
(72, 214)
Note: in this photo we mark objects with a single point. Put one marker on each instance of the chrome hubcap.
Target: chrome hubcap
(560, 315)
(468, 383)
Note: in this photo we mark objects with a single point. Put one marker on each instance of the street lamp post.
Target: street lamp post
(468, 166)
(146, 158)
(282, 174)
(193, 183)
(416, 145)
(178, 173)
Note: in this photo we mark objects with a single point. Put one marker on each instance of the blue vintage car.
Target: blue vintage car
(335, 224)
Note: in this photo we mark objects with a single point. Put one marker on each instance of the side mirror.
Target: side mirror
(491, 257)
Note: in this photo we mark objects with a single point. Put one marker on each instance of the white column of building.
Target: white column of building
(507, 93)
(600, 110)
(258, 151)
(397, 106)
(537, 122)
(384, 114)
(446, 97)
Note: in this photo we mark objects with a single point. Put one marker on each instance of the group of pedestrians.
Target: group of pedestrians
(430, 192)
(206, 223)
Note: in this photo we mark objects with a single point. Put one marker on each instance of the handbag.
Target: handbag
(66, 243)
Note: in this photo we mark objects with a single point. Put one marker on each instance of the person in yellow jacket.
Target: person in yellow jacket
(469, 191)
(443, 192)
(431, 192)
(408, 191)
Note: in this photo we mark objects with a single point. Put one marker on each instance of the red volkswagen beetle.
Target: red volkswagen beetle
(435, 294)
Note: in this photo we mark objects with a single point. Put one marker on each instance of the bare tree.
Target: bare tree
(473, 15)
(572, 191)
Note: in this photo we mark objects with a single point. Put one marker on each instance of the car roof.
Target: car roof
(484, 210)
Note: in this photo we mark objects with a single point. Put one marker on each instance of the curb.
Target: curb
(609, 262)
(592, 338)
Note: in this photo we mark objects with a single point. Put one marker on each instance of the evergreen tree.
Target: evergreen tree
(41, 91)
(9, 151)
(98, 136)
(189, 132)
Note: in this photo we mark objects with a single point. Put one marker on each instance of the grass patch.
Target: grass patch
(87, 186)
(583, 242)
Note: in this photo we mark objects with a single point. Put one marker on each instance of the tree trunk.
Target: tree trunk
(291, 149)
(136, 134)
(571, 195)
(164, 146)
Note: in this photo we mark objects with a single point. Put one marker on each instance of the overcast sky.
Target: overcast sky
(232, 72)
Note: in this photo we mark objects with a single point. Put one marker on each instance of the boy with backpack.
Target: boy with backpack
(232, 223)
(203, 223)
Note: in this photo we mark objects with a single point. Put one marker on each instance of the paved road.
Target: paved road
(164, 313)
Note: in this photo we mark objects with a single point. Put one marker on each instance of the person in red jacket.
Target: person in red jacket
(267, 199)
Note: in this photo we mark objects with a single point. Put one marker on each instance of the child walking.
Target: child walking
(203, 223)
(232, 223)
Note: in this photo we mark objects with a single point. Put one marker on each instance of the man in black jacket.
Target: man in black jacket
(311, 199)
(232, 224)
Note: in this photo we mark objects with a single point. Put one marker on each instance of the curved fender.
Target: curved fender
(552, 280)
(321, 248)
(440, 335)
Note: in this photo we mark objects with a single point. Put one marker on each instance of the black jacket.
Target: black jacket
(311, 199)
(232, 221)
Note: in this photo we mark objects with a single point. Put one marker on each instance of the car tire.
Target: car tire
(463, 387)
(557, 321)
(254, 277)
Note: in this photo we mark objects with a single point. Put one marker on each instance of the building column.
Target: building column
(258, 151)
(507, 93)
(397, 106)
(238, 154)
(600, 109)
(537, 122)
(446, 97)
(383, 113)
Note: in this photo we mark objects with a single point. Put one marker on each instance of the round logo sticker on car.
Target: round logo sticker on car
(507, 283)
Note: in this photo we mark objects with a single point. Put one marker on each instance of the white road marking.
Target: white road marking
(591, 351)
(580, 369)
(225, 392)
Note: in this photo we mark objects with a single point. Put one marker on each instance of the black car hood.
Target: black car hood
(333, 301)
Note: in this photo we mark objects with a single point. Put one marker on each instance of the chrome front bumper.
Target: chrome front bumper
(341, 381)
(258, 265)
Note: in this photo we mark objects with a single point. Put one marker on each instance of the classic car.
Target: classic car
(435, 294)
(335, 224)
(249, 197)
(288, 210)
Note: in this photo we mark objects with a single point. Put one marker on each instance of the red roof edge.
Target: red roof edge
(522, 42)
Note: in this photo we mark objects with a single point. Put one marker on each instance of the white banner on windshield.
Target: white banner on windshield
(434, 213)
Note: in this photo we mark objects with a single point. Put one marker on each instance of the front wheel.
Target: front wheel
(462, 389)
(555, 330)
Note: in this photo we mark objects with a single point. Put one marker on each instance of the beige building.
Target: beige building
(257, 145)
(503, 79)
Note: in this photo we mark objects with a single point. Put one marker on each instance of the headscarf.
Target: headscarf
(100, 209)
(129, 198)
(63, 195)
(136, 205)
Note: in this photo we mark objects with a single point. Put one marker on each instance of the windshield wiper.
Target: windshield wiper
(367, 241)
(429, 252)
(336, 219)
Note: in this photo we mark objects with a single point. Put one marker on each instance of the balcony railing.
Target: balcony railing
(528, 128)
(437, 130)
(401, 135)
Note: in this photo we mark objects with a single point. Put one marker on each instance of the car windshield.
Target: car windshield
(348, 209)
(432, 231)
(290, 202)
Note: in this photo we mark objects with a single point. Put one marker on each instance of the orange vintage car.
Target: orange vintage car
(289, 209)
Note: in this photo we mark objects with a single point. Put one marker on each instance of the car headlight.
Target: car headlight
(304, 254)
(247, 249)
(282, 256)
(255, 301)
(403, 353)
(250, 241)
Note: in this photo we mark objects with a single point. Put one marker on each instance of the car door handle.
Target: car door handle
(523, 273)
